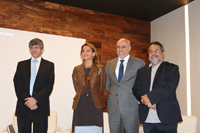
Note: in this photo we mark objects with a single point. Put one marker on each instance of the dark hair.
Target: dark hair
(96, 58)
(36, 41)
(157, 43)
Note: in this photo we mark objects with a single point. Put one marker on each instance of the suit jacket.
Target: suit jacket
(41, 90)
(97, 84)
(163, 92)
(121, 93)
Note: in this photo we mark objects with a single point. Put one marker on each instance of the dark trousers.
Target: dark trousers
(40, 124)
(160, 128)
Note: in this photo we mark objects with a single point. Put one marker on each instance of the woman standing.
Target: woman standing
(89, 81)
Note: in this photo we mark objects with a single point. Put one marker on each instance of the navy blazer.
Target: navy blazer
(163, 92)
(42, 87)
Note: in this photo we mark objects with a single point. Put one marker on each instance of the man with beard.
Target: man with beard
(155, 89)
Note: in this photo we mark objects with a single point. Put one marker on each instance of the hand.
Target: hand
(34, 107)
(145, 100)
(31, 102)
(152, 106)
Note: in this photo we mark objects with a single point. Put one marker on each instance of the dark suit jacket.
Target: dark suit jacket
(163, 92)
(42, 87)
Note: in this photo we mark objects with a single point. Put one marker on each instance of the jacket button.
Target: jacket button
(116, 94)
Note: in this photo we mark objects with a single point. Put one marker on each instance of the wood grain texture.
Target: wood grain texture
(50, 18)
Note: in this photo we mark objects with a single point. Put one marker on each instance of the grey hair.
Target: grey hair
(36, 41)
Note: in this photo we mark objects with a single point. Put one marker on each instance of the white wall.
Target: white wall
(63, 51)
(194, 19)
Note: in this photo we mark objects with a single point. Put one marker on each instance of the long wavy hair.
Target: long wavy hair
(95, 59)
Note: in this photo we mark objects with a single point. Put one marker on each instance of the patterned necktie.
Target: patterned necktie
(33, 76)
(121, 71)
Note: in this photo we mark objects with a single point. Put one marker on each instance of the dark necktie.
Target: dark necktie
(121, 71)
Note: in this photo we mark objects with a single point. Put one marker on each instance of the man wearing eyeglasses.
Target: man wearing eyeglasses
(155, 89)
(33, 81)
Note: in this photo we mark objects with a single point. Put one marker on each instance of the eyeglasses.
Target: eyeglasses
(155, 51)
(37, 47)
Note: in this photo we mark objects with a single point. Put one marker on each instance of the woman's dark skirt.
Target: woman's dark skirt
(86, 114)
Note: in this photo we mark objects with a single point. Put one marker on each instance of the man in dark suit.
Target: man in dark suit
(33, 81)
(122, 105)
(155, 89)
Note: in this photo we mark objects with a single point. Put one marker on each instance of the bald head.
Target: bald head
(123, 48)
(125, 41)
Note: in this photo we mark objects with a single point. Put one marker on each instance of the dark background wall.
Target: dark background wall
(101, 29)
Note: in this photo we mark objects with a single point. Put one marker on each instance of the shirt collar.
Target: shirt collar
(38, 59)
(156, 65)
(125, 59)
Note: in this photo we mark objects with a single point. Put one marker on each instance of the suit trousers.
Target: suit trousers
(40, 123)
(118, 122)
(160, 128)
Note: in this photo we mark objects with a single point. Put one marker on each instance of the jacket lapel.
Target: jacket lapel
(29, 72)
(148, 76)
(158, 72)
(128, 67)
(40, 69)
(113, 74)
(82, 69)
(93, 68)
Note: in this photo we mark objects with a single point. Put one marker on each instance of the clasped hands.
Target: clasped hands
(31, 103)
(145, 100)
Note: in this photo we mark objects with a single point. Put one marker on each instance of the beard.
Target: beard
(154, 62)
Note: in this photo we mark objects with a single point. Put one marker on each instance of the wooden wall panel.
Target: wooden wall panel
(50, 18)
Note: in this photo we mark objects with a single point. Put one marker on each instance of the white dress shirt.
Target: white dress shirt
(124, 63)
